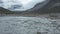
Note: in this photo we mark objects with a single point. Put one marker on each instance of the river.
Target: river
(28, 25)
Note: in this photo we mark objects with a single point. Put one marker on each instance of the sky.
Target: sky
(25, 4)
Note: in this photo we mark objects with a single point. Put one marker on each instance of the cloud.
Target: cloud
(26, 4)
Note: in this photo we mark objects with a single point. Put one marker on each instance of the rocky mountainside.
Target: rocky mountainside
(51, 6)
(5, 11)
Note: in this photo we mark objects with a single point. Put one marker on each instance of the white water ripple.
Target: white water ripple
(26, 25)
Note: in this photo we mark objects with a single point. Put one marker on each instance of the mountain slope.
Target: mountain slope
(51, 6)
(5, 11)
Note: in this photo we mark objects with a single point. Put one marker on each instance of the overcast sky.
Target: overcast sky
(26, 4)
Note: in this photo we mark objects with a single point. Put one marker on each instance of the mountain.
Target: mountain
(50, 6)
(5, 11)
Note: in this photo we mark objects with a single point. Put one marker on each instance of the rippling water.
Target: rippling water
(28, 25)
